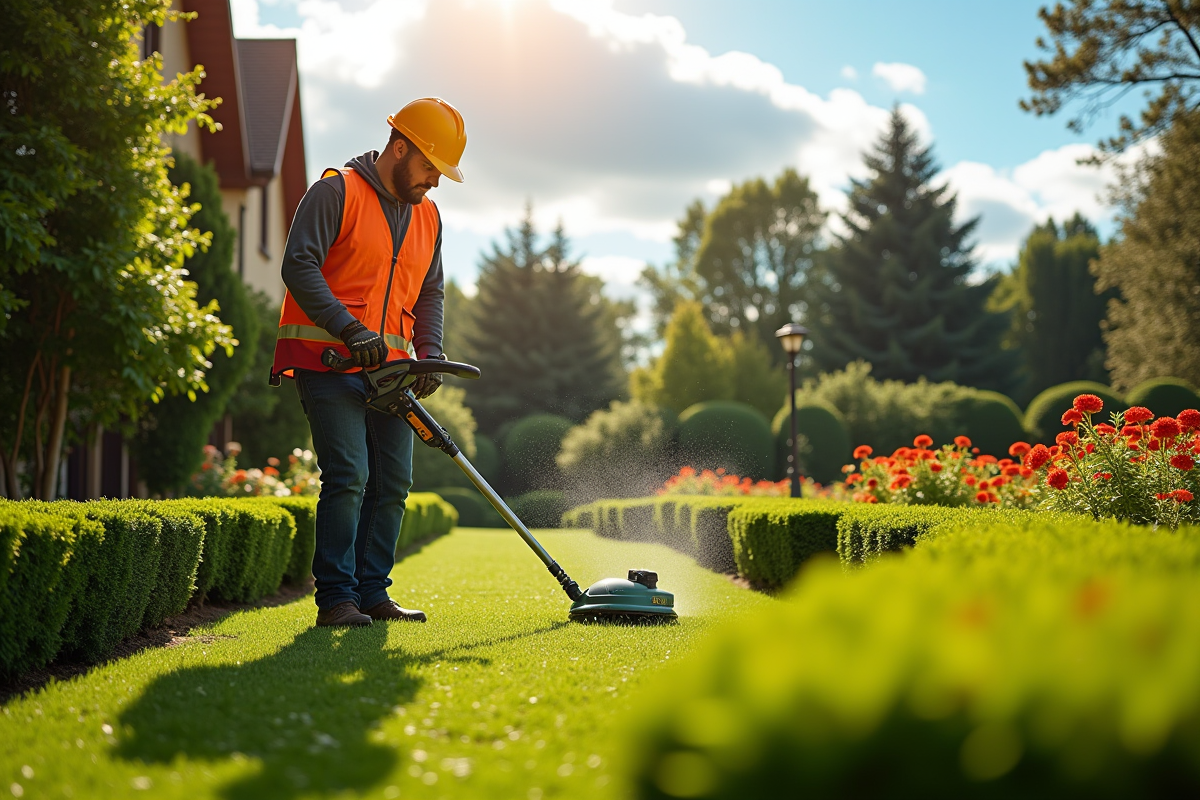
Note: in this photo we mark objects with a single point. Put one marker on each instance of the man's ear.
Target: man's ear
(399, 149)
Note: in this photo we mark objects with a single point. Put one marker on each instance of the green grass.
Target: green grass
(496, 696)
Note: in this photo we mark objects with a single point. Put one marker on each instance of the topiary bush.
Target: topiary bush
(773, 539)
(304, 511)
(824, 443)
(432, 467)
(541, 508)
(992, 421)
(474, 511)
(425, 515)
(487, 458)
(729, 435)
(621, 451)
(1043, 416)
(1166, 397)
(530, 449)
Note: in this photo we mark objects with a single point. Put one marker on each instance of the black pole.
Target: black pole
(793, 457)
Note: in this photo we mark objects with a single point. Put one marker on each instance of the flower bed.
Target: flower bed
(220, 476)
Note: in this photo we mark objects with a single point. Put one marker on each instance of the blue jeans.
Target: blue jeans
(366, 471)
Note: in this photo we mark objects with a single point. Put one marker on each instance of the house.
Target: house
(259, 158)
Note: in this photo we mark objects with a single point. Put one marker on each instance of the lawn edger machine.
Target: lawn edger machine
(634, 600)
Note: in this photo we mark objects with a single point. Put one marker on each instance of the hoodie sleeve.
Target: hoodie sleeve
(316, 226)
(429, 309)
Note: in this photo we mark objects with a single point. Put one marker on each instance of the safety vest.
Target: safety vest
(378, 284)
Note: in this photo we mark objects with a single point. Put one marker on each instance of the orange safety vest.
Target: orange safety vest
(359, 268)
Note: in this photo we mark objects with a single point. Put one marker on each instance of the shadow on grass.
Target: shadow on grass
(305, 711)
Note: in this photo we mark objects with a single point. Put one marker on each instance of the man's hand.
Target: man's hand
(366, 346)
(427, 384)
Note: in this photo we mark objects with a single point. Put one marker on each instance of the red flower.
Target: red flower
(962, 441)
(1067, 439)
(1163, 495)
(206, 466)
(872, 483)
(1106, 429)
(862, 451)
(1102, 476)
(1038, 455)
(1155, 445)
(1182, 461)
(853, 479)
(984, 484)
(870, 499)
(1134, 432)
(923, 440)
(935, 467)
(1138, 414)
(1166, 428)
(982, 497)
(687, 472)
(970, 480)
(1019, 449)
(1189, 419)
(1088, 403)
(1012, 469)
(1182, 496)
(1071, 417)
(901, 452)
(900, 482)
(1058, 478)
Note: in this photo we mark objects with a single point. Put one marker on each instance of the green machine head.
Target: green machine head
(637, 600)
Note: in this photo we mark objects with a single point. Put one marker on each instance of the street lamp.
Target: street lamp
(791, 336)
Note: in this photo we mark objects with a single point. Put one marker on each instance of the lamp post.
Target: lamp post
(791, 336)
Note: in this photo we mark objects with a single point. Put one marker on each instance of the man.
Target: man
(363, 270)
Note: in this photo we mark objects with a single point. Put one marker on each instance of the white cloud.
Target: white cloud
(623, 271)
(849, 73)
(900, 77)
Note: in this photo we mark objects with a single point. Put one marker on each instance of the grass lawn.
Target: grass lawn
(496, 696)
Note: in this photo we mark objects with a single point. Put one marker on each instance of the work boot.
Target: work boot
(343, 615)
(389, 609)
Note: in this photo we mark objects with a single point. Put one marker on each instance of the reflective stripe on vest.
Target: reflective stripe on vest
(314, 334)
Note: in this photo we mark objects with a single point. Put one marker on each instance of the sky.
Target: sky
(610, 116)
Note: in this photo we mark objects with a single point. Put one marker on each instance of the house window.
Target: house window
(264, 231)
(151, 40)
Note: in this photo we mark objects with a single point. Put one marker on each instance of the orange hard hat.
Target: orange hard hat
(436, 128)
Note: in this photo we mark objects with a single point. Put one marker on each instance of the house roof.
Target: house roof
(261, 134)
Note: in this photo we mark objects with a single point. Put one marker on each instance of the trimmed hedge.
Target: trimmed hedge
(1011, 658)
(828, 441)
(474, 511)
(771, 540)
(1166, 397)
(728, 434)
(541, 508)
(1043, 415)
(78, 578)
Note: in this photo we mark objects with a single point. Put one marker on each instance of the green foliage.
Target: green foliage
(992, 421)
(174, 431)
(865, 532)
(1000, 658)
(1100, 51)
(541, 332)
(772, 540)
(1043, 416)
(474, 511)
(896, 294)
(304, 544)
(541, 508)
(677, 282)
(692, 367)
(1155, 265)
(487, 458)
(1056, 311)
(729, 435)
(530, 449)
(268, 421)
(755, 255)
(433, 467)
(425, 515)
(621, 451)
(94, 306)
(823, 440)
(756, 378)
(1166, 397)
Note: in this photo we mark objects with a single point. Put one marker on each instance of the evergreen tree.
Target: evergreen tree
(1056, 311)
(540, 332)
(174, 431)
(897, 292)
(692, 368)
(1155, 265)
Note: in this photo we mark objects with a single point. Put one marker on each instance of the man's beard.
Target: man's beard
(406, 191)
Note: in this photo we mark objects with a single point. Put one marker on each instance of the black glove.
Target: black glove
(366, 346)
(427, 384)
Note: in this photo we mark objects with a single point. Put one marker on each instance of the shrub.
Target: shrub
(304, 545)
(487, 458)
(771, 541)
(1043, 415)
(541, 508)
(621, 451)
(474, 511)
(1166, 397)
(433, 467)
(865, 533)
(1003, 660)
(530, 448)
(824, 440)
(991, 420)
(722, 434)
(425, 515)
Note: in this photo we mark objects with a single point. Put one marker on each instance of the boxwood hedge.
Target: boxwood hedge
(77, 578)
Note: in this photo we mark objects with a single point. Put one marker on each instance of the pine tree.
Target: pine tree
(1155, 264)
(897, 292)
(693, 367)
(541, 333)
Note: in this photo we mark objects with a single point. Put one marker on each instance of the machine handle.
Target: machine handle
(340, 363)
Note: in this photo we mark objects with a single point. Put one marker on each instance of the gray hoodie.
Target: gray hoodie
(316, 226)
